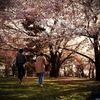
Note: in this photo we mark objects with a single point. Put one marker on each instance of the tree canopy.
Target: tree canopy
(50, 25)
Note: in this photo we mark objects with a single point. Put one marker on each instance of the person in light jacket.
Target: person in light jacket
(40, 67)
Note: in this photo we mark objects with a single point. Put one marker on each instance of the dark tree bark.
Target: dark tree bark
(55, 61)
(54, 68)
(97, 57)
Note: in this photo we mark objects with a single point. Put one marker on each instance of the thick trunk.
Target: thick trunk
(53, 68)
(97, 58)
(54, 72)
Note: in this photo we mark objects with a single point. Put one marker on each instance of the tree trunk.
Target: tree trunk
(54, 72)
(97, 58)
(53, 68)
(6, 70)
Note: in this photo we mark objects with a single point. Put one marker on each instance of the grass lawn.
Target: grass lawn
(53, 89)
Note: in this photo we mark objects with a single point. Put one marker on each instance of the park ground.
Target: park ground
(61, 88)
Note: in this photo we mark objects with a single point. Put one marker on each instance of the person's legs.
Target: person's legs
(40, 78)
(20, 74)
(13, 71)
(23, 72)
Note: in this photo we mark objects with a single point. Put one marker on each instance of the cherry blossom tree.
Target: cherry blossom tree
(50, 23)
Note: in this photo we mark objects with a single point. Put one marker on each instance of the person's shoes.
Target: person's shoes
(20, 82)
(41, 85)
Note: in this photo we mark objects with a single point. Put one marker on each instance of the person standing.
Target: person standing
(40, 67)
(13, 64)
(20, 61)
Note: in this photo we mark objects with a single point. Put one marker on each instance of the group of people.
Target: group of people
(39, 66)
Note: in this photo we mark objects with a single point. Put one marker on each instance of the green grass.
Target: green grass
(53, 89)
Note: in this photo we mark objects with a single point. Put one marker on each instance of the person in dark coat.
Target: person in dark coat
(20, 61)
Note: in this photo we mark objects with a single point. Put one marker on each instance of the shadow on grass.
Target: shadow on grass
(52, 90)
